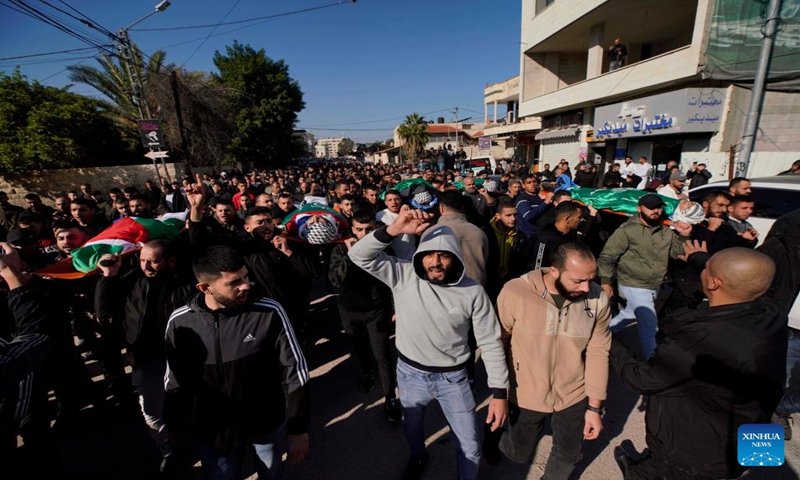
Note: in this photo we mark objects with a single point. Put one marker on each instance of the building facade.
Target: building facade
(655, 103)
(327, 147)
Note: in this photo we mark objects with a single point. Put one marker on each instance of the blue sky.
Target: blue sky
(356, 63)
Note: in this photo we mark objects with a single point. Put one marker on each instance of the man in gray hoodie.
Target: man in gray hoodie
(436, 303)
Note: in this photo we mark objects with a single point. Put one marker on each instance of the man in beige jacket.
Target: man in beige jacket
(555, 328)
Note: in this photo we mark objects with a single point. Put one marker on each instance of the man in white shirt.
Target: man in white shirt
(404, 245)
(628, 167)
(644, 170)
(674, 189)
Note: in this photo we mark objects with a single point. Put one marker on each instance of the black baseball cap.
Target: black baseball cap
(651, 201)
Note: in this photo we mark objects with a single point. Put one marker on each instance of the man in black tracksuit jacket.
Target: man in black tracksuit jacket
(715, 368)
(235, 372)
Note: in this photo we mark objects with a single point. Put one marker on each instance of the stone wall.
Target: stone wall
(50, 184)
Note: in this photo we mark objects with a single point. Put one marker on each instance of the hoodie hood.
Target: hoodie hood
(440, 239)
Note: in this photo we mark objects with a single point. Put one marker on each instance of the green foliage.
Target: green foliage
(346, 147)
(266, 102)
(414, 132)
(44, 127)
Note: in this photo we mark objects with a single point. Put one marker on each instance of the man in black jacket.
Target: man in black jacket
(235, 373)
(714, 369)
(506, 259)
(138, 302)
(366, 308)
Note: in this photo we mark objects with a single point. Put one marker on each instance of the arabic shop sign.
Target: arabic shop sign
(683, 111)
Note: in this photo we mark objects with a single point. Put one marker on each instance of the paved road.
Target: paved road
(351, 437)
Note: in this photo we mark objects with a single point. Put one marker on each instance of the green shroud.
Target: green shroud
(622, 200)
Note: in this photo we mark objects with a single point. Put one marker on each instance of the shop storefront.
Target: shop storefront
(560, 138)
(659, 127)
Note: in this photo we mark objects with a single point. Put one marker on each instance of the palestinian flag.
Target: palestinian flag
(126, 235)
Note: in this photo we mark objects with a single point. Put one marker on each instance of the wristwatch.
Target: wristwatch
(600, 411)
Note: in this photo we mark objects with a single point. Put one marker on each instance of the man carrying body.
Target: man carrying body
(403, 245)
(737, 231)
(235, 373)
(436, 303)
(637, 254)
(559, 358)
(482, 204)
(715, 369)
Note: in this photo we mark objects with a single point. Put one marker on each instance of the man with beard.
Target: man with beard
(636, 255)
(436, 304)
(284, 207)
(559, 357)
(236, 377)
(687, 289)
(137, 303)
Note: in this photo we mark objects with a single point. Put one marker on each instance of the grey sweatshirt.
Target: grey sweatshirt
(433, 320)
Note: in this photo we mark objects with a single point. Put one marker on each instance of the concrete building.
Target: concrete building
(327, 147)
(656, 105)
(505, 135)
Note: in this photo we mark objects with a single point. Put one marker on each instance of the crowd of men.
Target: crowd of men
(215, 324)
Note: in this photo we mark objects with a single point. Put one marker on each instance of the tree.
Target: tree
(414, 133)
(265, 105)
(45, 127)
(113, 81)
(346, 147)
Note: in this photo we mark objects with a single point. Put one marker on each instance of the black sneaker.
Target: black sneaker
(786, 422)
(623, 460)
(393, 410)
(414, 467)
(367, 382)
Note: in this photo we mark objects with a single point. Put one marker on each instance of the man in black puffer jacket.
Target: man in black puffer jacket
(235, 373)
(366, 308)
(715, 368)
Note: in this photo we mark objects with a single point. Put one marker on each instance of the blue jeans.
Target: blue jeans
(790, 403)
(641, 306)
(451, 389)
(227, 465)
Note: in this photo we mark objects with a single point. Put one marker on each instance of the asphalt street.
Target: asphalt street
(350, 436)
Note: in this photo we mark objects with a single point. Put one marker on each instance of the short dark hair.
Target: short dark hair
(452, 200)
(32, 197)
(565, 209)
(84, 201)
(711, 196)
(741, 199)
(736, 181)
(214, 260)
(223, 201)
(130, 190)
(167, 248)
(503, 203)
(349, 197)
(364, 216)
(117, 191)
(283, 195)
(392, 192)
(67, 225)
(561, 194)
(371, 186)
(559, 257)
(252, 212)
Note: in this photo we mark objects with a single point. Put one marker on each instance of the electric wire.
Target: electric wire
(209, 35)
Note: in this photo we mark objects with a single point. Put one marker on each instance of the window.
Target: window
(773, 202)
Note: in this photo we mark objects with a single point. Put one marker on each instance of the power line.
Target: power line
(377, 121)
(83, 21)
(95, 24)
(49, 53)
(42, 62)
(212, 31)
(236, 22)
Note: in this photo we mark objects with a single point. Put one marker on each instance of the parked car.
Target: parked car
(774, 197)
(478, 164)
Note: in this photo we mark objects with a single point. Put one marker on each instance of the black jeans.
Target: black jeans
(525, 428)
(371, 331)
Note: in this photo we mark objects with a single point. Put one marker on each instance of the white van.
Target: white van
(479, 164)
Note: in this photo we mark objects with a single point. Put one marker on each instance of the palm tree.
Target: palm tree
(414, 132)
(113, 81)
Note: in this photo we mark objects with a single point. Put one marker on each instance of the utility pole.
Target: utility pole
(757, 100)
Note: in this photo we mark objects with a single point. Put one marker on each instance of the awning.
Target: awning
(562, 133)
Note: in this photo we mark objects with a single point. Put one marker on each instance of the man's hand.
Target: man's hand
(110, 264)
(592, 425)
(691, 247)
(609, 290)
(410, 222)
(349, 243)
(498, 413)
(11, 267)
(751, 234)
(297, 449)
(683, 228)
(282, 245)
(592, 210)
(714, 223)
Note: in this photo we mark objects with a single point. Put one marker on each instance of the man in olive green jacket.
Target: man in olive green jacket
(636, 255)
